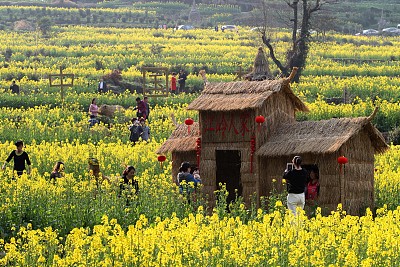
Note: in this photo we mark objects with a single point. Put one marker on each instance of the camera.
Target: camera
(289, 166)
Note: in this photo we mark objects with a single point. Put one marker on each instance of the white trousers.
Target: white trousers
(294, 201)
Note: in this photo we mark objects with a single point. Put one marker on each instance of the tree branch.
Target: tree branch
(317, 6)
(272, 54)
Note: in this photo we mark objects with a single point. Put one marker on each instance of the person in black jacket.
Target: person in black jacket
(182, 81)
(14, 88)
(296, 180)
(19, 156)
(129, 186)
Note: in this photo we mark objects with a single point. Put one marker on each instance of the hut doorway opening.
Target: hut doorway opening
(311, 167)
(228, 172)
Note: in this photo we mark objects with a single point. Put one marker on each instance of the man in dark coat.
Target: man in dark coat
(182, 81)
(14, 88)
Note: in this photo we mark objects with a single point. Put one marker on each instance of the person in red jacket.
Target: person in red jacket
(173, 83)
(141, 109)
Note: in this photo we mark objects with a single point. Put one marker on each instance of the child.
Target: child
(173, 83)
(136, 130)
(196, 174)
(312, 192)
(145, 130)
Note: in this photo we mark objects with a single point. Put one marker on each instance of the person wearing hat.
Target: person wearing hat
(296, 181)
(20, 157)
(94, 167)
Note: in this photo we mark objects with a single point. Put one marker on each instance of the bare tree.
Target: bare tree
(297, 54)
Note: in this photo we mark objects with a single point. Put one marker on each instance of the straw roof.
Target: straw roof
(319, 137)
(241, 95)
(181, 139)
(261, 69)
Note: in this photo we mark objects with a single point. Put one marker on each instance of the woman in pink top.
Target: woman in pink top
(93, 109)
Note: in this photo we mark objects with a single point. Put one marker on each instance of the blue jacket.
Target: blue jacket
(188, 178)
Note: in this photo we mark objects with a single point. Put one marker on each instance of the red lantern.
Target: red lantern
(189, 122)
(260, 119)
(342, 160)
(161, 159)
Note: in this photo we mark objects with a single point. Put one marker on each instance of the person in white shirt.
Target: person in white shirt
(102, 87)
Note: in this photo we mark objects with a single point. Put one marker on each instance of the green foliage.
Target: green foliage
(44, 24)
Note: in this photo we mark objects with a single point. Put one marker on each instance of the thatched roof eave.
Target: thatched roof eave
(181, 140)
(319, 137)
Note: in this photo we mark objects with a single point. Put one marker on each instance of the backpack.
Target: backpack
(181, 177)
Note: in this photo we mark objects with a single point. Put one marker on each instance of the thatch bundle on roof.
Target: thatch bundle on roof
(261, 69)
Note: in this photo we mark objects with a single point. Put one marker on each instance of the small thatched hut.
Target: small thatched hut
(182, 145)
(320, 143)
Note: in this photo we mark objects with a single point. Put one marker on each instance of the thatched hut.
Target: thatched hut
(247, 156)
(321, 143)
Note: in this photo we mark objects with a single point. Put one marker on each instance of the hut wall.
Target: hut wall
(208, 167)
(358, 174)
(329, 180)
(220, 127)
(277, 109)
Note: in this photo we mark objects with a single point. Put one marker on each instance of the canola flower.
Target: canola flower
(275, 239)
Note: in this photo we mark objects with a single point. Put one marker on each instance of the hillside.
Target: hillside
(341, 16)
